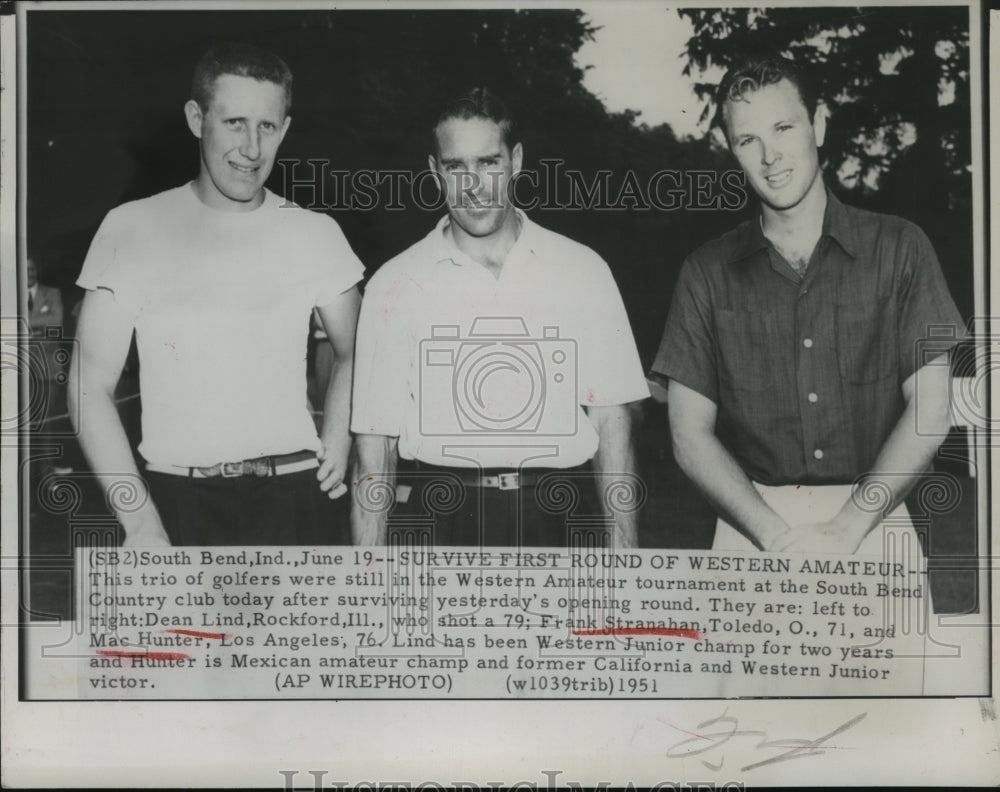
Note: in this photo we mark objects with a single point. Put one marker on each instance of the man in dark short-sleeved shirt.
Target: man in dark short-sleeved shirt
(800, 345)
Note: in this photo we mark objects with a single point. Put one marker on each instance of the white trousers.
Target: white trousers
(893, 540)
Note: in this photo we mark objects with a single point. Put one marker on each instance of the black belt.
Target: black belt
(279, 465)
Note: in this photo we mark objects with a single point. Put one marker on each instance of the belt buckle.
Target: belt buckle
(232, 469)
(259, 467)
(508, 481)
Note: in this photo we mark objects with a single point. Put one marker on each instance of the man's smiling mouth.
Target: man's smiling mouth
(779, 179)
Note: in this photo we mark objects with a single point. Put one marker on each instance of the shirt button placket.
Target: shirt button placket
(807, 378)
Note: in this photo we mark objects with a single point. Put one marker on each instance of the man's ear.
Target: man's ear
(720, 129)
(516, 157)
(192, 111)
(284, 127)
(819, 124)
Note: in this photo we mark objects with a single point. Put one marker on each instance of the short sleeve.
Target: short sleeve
(687, 350)
(109, 264)
(383, 356)
(928, 320)
(339, 267)
(609, 367)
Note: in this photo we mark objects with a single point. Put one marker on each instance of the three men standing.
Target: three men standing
(496, 356)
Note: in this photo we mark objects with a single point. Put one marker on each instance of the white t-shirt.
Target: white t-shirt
(471, 370)
(221, 302)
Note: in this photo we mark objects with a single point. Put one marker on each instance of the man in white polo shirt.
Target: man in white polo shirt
(497, 355)
(217, 279)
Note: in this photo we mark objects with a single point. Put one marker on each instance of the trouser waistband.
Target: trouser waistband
(498, 478)
(277, 465)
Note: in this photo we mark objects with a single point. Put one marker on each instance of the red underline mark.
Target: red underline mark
(143, 655)
(196, 633)
(674, 632)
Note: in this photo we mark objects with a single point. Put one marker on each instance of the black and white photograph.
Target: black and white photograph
(560, 394)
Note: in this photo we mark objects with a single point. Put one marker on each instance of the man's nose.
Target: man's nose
(250, 146)
(489, 179)
(472, 184)
(466, 182)
(769, 153)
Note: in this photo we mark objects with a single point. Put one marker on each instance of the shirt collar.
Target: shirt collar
(836, 224)
(446, 251)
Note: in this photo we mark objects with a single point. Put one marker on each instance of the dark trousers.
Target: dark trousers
(558, 508)
(247, 510)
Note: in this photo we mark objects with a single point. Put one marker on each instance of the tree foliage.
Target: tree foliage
(895, 81)
(105, 92)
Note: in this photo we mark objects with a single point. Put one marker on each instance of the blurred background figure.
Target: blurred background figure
(49, 355)
(45, 310)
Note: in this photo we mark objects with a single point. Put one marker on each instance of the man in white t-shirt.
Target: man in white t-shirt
(217, 279)
(496, 356)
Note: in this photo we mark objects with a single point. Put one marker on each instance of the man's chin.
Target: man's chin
(479, 223)
(244, 194)
(781, 201)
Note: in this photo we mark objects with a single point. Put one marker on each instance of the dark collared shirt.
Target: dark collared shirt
(807, 371)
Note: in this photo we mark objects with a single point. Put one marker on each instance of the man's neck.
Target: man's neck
(489, 251)
(794, 232)
(798, 223)
(210, 196)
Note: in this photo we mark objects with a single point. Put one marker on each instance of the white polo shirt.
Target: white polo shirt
(471, 370)
(221, 302)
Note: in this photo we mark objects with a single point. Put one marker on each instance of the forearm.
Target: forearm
(105, 444)
(905, 455)
(716, 473)
(335, 432)
(615, 467)
(374, 487)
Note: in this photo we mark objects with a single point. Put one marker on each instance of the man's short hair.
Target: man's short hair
(751, 73)
(478, 102)
(242, 60)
